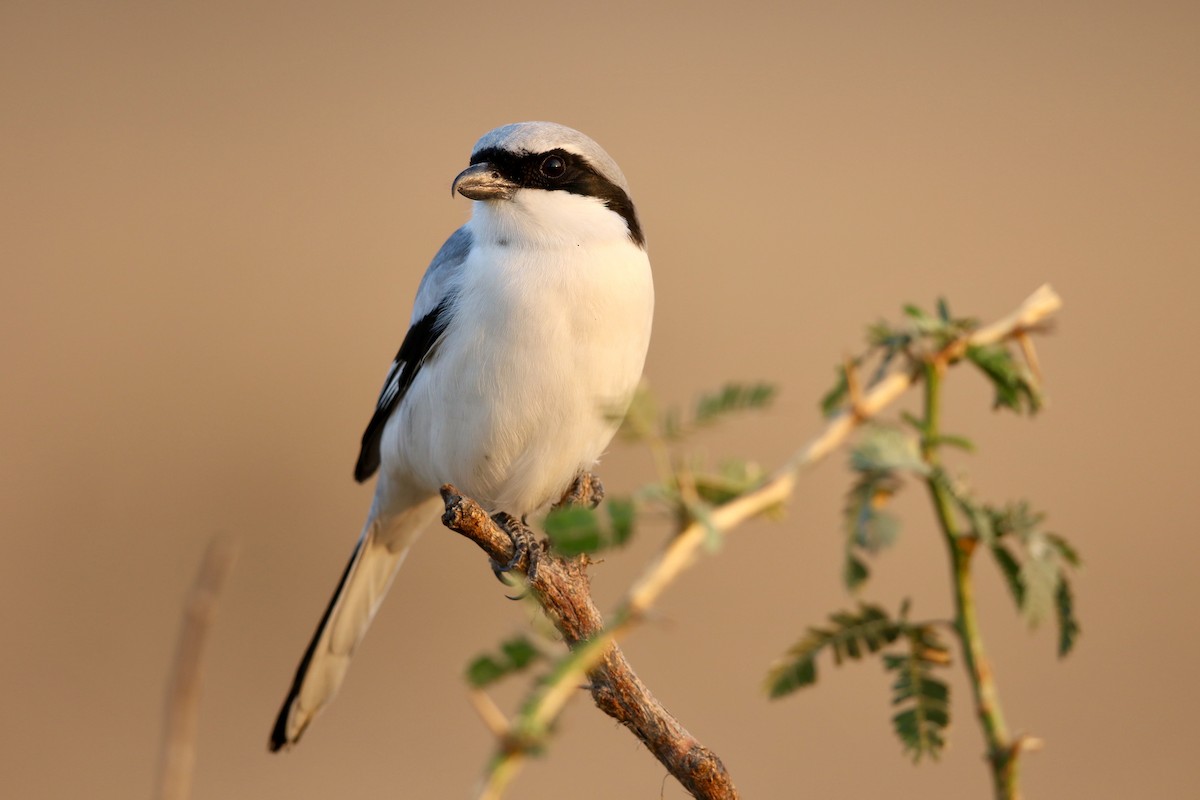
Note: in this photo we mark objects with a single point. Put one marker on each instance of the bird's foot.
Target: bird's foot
(524, 544)
(586, 490)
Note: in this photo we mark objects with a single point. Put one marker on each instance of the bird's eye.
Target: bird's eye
(553, 167)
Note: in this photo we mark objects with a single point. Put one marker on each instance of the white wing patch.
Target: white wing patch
(391, 384)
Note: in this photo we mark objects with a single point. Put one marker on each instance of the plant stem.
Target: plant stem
(1002, 754)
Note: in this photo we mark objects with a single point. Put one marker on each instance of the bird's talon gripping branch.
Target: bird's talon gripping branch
(525, 546)
(512, 527)
(586, 490)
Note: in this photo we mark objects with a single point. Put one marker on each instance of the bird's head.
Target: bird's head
(548, 169)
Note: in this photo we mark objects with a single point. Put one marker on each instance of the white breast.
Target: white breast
(545, 347)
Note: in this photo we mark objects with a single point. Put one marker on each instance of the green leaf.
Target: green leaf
(761, 395)
(1045, 558)
(867, 526)
(621, 514)
(1010, 568)
(922, 722)
(573, 530)
(515, 655)
(1038, 582)
(519, 651)
(732, 479)
(852, 633)
(1068, 625)
(484, 670)
(1040, 575)
(883, 335)
(887, 448)
(1015, 519)
(877, 533)
(942, 328)
(640, 420)
(982, 525)
(881, 452)
(733, 397)
(923, 322)
(1064, 549)
(1014, 385)
(855, 572)
(832, 400)
(915, 422)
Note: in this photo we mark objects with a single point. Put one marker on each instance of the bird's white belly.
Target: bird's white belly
(524, 390)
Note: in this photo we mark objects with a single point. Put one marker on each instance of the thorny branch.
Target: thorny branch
(563, 590)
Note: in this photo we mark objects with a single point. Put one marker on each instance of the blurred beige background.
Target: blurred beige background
(214, 216)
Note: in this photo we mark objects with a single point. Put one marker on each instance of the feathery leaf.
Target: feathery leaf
(733, 397)
(887, 448)
(852, 634)
(621, 514)
(854, 571)
(515, 655)
(573, 530)
(868, 528)
(1068, 625)
(1010, 568)
(922, 722)
(1040, 576)
(733, 478)
(1015, 386)
(832, 400)
(1065, 550)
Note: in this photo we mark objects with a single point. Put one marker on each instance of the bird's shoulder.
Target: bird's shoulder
(431, 315)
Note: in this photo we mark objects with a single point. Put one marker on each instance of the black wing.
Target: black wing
(416, 348)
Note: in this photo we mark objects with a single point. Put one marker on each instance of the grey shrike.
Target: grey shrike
(528, 334)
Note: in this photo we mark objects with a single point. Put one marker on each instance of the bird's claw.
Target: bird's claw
(586, 490)
(524, 544)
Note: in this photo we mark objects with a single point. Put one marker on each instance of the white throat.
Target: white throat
(542, 219)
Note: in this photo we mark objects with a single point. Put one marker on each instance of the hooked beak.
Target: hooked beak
(483, 182)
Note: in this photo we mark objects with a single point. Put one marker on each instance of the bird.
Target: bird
(527, 340)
